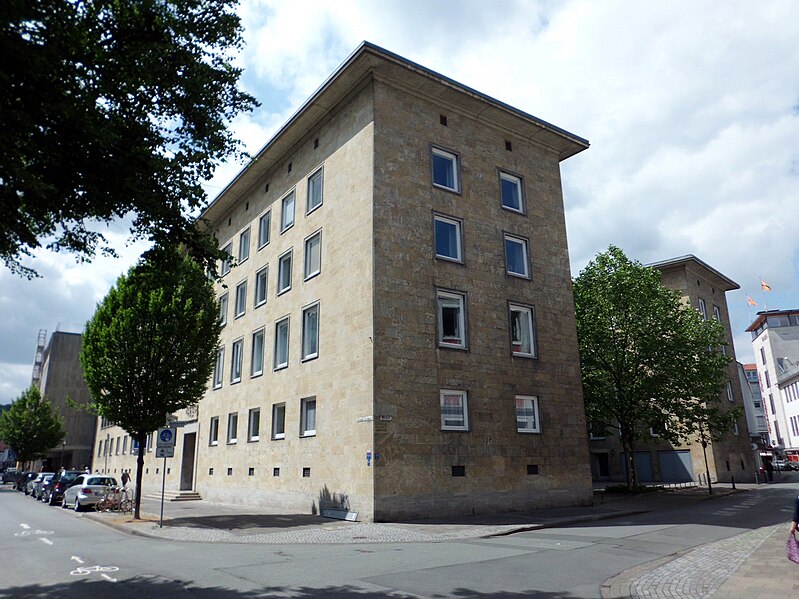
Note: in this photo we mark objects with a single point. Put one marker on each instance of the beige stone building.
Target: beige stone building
(400, 336)
(704, 288)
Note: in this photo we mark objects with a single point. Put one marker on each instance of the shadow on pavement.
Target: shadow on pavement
(247, 521)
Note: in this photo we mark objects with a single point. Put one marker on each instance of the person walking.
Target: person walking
(795, 518)
(125, 478)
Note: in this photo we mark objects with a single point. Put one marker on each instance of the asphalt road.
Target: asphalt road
(50, 552)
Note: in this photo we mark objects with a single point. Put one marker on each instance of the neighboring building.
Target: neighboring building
(756, 412)
(59, 375)
(7, 457)
(704, 288)
(400, 337)
(775, 339)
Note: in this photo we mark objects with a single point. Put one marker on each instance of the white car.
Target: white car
(87, 490)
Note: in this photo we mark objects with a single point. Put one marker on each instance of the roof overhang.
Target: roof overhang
(699, 267)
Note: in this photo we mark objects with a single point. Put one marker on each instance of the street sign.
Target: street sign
(166, 437)
(165, 452)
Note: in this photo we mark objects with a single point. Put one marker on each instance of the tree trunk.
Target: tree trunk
(629, 463)
(142, 439)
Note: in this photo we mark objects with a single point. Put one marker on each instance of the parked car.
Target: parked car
(86, 490)
(10, 475)
(39, 484)
(58, 484)
(23, 479)
(37, 479)
(784, 465)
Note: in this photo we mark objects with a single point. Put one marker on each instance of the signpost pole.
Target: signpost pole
(163, 484)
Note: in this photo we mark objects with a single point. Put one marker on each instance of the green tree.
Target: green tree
(648, 360)
(31, 426)
(111, 109)
(150, 347)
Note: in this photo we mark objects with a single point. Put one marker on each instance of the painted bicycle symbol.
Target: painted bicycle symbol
(27, 533)
(86, 570)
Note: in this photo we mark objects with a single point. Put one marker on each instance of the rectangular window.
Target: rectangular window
(119, 441)
(445, 170)
(310, 332)
(448, 238)
(232, 427)
(219, 367)
(522, 331)
(124, 444)
(261, 278)
(213, 433)
(254, 424)
(224, 267)
(516, 257)
(717, 313)
(527, 414)
(313, 255)
(308, 417)
(223, 309)
(264, 223)
(235, 360)
(279, 421)
(763, 355)
(730, 395)
(702, 309)
(287, 212)
(314, 192)
(511, 192)
(241, 299)
(768, 380)
(244, 245)
(451, 320)
(281, 344)
(257, 361)
(284, 273)
(454, 416)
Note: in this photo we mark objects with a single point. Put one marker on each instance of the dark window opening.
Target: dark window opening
(251, 472)
(508, 146)
(442, 119)
(459, 471)
(275, 471)
(306, 473)
(532, 468)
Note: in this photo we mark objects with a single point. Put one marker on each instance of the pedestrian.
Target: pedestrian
(769, 470)
(795, 518)
(125, 478)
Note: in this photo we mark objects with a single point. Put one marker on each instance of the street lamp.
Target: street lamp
(63, 447)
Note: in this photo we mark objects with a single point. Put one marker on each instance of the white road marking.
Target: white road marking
(107, 577)
(77, 559)
(47, 541)
(25, 525)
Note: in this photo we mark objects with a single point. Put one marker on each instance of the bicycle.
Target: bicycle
(116, 499)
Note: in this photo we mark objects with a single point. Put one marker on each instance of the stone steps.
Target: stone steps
(175, 496)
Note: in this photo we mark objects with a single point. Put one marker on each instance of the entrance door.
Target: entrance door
(187, 468)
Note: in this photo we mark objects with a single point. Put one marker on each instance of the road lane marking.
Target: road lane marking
(25, 525)
(26, 533)
(86, 570)
(48, 541)
(107, 577)
(77, 559)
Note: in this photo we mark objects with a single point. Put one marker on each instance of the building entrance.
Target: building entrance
(187, 467)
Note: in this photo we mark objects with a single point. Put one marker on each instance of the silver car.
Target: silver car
(38, 482)
(31, 484)
(87, 490)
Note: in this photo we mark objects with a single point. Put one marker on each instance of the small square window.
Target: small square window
(254, 425)
(451, 320)
(522, 331)
(314, 191)
(448, 238)
(306, 473)
(232, 427)
(508, 146)
(275, 471)
(219, 367)
(210, 472)
(261, 278)
(532, 468)
(281, 344)
(224, 267)
(308, 417)
(527, 414)
(244, 245)
(454, 415)
(241, 299)
(257, 361)
(235, 361)
(284, 272)
(287, 212)
(310, 332)
(516, 257)
(230, 471)
(213, 432)
(264, 224)
(511, 192)
(445, 170)
(251, 472)
(313, 255)
(279, 421)
(459, 471)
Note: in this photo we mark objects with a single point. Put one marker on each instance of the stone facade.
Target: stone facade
(379, 445)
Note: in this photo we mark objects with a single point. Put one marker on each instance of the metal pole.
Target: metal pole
(163, 484)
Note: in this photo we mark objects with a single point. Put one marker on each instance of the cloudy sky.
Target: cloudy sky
(691, 108)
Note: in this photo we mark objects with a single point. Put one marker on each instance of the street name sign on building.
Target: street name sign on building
(165, 452)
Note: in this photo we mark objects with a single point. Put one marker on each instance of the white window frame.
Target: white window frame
(285, 225)
(236, 360)
(517, 181)
(306, 430)
(240, 307)
(278, 408)
(224, 267)
(257, 369)
(213, 431)
(531, 325)
(520, 241)
(703, 308)
(308, 273)
(730, 394)
(252, 438)
(232, 428)
(306, 331)
(223, 308)
(244, 245)
(261, 287)
(285, 257)
(448, 299)
(458, 224)
(717, 313)
(454, 161)
(464, 398)
(219, 368)
(275, 364)
(264, 226)
(318, 174)
(533, 404)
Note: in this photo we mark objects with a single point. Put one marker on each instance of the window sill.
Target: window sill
(308, 435)
(255, 375)
(282, 291)
(279, 438)
(309, 358)
(514, 210)
(516, 275)
(259, 304)
(449, 259)
(286, 229)
(526, 356)
(454, 430)
(232, 442)
(213, 444)
(452, 346)
(260, 247)
(314, 209)
(253, 440)
(454, 190)
(312, 275)
(281, 367)
(526, 432)
(235, 382)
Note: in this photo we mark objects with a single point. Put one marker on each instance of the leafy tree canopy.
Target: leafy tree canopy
(150, 347)
(111, 108)
(648, 360)
(31, 426)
